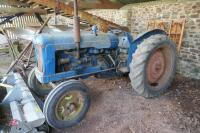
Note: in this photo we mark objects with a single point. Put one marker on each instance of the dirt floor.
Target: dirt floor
(116, 108)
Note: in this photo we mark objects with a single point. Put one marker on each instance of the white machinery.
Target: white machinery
(27, 116)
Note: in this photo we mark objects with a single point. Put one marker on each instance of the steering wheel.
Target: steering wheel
(115, 30)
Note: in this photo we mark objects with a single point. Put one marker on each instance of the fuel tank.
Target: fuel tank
(65, 40)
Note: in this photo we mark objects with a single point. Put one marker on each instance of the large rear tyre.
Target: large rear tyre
(153, 66)
(67, 104)
(39, 88)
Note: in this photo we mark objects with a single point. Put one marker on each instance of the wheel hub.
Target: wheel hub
(155, 67)
(69, 106)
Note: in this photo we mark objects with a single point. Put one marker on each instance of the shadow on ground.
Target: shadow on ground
(116, 108)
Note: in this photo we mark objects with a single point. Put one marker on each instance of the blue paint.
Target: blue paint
(95, 30)
(140, 39)
(45, 78)
(51, 44)
(65, 40)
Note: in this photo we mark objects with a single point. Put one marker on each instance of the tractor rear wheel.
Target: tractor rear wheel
(153, 66)
(67, 104)
(37, 87)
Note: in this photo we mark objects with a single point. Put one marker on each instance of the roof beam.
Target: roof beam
(13, 10)
(92, 19)
(100, 4)
(12, 3)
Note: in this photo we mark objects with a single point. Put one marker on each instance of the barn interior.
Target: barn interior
(98, 48)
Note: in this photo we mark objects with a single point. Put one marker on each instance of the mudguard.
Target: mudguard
(139, 39)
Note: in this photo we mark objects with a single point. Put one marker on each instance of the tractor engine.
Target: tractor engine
(56, 54)
(66, 59)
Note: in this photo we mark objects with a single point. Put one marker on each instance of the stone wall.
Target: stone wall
(136, 17)
(117, 16)
(60, 20)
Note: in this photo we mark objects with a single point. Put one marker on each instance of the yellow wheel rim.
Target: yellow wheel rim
(69, 106)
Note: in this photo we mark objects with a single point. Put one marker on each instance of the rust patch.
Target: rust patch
(156, 67)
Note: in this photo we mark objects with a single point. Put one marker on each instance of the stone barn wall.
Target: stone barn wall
(136, 17)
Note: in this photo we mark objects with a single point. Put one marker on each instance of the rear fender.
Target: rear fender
(140, 39)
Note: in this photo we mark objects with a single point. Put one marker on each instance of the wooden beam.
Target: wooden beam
(111, 5)
(12, 3)
(5, 15)
(100, 4)
(13, 10)
(92, 19)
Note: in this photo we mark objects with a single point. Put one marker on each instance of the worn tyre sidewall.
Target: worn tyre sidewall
(148, 91)
(170, 78)
(51, 101)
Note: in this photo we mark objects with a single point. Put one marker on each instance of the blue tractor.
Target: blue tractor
(62, 59)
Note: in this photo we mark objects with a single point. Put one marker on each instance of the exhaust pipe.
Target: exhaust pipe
(77, 33)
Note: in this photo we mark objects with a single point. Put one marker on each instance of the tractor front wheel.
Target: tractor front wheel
(153, 66)
(67, 104)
